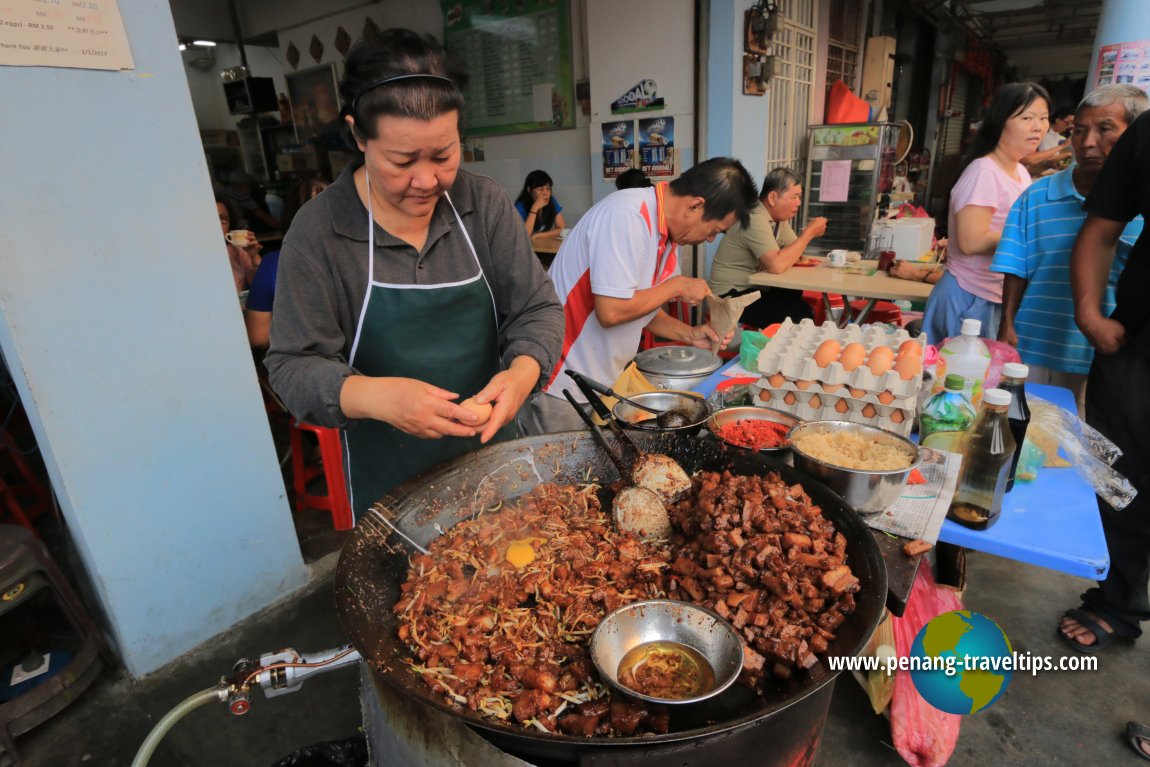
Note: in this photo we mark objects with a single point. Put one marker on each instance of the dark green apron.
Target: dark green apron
(445, 335)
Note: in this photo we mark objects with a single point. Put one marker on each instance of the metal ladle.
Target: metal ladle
(663, 418)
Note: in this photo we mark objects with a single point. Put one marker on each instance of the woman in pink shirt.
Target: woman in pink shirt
(991, 180)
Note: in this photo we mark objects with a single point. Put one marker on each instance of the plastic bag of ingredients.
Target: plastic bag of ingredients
(1091, 453)
(923, 735)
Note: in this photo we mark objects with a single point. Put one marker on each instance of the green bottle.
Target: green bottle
(946, 416)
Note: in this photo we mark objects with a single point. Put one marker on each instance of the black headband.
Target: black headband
(394, 78)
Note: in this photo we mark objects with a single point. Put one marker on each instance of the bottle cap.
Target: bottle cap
(954, 382)
(996, 397)
(1015, 370)
(971, 327)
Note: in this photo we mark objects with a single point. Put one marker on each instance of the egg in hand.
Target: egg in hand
(483, 410)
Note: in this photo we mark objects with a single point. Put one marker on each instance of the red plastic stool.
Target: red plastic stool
(814, 299)
(883, 311)
(331, 453)
(23, 496)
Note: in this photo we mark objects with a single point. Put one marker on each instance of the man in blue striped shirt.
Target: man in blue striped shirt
(1034, 252)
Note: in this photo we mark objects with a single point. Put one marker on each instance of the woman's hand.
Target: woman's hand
(507, 392)
(408, 404)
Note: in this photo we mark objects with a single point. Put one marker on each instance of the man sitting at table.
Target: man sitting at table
(767, 243)
(620, 266)
(1034, 252)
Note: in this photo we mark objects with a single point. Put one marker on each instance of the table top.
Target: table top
(829, 279)
(546, 245)
(1052, 522)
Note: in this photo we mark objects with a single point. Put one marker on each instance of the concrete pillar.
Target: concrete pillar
(1121, 21)
(120, 325)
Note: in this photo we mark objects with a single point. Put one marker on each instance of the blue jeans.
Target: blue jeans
(949, 305)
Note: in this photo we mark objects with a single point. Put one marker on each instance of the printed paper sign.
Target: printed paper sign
(618, 147)
(643, 96)
(835, 181)
(84, 34)
(657, 146)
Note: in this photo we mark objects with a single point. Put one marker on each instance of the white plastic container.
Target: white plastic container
(965, 355)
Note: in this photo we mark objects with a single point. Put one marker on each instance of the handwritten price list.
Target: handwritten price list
(87, 34)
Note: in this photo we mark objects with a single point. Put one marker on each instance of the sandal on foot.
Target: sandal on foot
(1102, 636)
(1138, 734)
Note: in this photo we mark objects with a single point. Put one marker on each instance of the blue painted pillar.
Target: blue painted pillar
(1120, 21)
(120, 324)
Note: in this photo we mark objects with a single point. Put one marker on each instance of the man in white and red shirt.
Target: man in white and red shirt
(620, 265)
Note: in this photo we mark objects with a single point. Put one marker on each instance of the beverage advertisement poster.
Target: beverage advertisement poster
(618, 147)
(657, 146)
(1124, 63)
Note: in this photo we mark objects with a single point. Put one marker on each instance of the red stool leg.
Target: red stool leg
(331, 448)
(298, 476)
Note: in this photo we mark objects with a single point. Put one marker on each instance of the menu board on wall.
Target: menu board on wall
(1124, 63)
(85, 34)
(517, 54)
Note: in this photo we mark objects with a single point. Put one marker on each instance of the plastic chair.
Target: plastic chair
(27, 572)
(303, 472)
(883, 311)
(814, 299)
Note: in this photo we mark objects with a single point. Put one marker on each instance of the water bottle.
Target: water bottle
(987, 450)
(967, 356)
(1014, 381)
(946, 417)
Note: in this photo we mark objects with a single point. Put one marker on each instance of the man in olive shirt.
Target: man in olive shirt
(768, 243)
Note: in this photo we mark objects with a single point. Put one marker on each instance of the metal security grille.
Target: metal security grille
(843, 43)
(791, 86)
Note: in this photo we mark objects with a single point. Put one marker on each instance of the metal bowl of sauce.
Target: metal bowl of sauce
(667, 651)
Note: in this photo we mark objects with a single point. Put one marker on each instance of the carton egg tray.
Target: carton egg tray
(791, 353)
(811, 405)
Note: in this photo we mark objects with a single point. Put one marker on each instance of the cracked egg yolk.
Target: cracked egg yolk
(520, 553)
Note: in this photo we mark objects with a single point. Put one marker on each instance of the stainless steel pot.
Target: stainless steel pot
(677, 367)
(866, 491)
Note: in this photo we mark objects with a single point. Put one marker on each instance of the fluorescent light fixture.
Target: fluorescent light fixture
(205, 43)
(183, 47)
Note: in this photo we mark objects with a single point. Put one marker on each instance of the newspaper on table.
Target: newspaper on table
(920, 509)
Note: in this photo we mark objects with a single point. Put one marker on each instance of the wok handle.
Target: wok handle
(588, 389)
(597, 433)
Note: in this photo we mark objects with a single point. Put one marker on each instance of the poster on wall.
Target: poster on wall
(657, 146)
(314, 99)
(83, 34)
(1124, 63)
(518, 59)
(643, 96)
(618, 147)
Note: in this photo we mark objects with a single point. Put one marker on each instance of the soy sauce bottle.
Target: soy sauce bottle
(987, 449)
(1014, 381)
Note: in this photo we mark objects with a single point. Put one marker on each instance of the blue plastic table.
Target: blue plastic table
(1052, 522)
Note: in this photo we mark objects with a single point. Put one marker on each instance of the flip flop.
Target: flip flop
(1102, 637)
(1138, 734)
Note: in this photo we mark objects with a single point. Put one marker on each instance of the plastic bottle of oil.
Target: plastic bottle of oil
(987, 450)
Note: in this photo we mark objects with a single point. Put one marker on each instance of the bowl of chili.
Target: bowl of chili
(761, 429)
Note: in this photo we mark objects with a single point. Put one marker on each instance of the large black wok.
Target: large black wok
(372, 566)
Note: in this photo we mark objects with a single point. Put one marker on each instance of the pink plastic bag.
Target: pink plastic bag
(923, 735)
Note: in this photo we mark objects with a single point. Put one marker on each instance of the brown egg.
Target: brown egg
(897, 416)
(841, 406)
(789, 398)
(908, 367)
(777, 380)
(803, 385)
(483, 411)
(832, 388)
(885, 397)
(852, 356)
(765, 395)
(880, 360)
(910, 347)
(856, 393)
(868, 411)
(827, 353)
(815, 402)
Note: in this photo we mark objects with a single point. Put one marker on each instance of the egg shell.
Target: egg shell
(897, 416)
(841, 406)
(852, 356)
(815, 402)
(880, 360)
(803, 385)
(789, 398)
(856, 393)
(765, 395)
(910, 347)
(827, 353)
(777, 380)
(483, 411)
(908, 367)
(868, 411)
(832, 388)
(885, 397)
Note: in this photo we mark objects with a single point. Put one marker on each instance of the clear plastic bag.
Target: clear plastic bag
(1091, 453)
